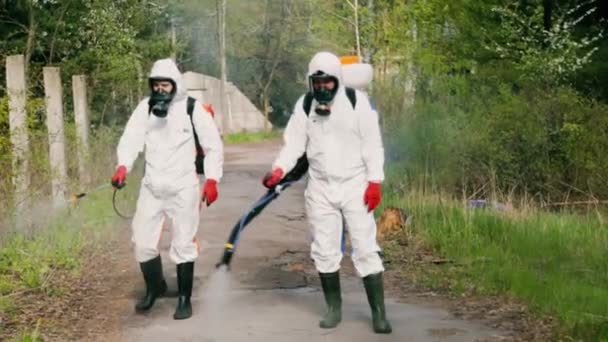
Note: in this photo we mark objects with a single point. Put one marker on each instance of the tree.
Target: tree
(221, 23)
(269, 48)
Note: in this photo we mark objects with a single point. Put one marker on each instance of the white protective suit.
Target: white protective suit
(170, 186)
(344, 151)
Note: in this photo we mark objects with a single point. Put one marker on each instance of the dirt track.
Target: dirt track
(272, 292)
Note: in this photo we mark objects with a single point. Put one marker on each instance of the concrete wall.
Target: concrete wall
(245, 115)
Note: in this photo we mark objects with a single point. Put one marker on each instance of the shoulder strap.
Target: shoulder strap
(307, 103)
(191, 101)
(190, 109)
(352, 96)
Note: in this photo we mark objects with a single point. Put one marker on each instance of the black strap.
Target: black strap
(307, 103)
(350, 93)
(199, 162)
(191, 102)
(352, 97)
(190, 110)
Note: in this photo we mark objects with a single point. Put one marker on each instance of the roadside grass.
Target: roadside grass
(45, 261)
(245, 137)
(556, 262)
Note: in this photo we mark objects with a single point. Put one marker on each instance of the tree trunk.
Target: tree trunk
(173, 41)
(221, 31)
(29, 46)
(140, 80)
(358, 38)
(367, 58)
(409, 97)
(266, 107)
(53, 39)
(548, 14)
(602, 12)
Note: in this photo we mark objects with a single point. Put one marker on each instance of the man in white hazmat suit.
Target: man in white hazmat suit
(170, 188)
(342, 141)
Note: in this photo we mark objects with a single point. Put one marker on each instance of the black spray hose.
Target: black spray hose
(256, 209)
(296, 173)
(116, 209)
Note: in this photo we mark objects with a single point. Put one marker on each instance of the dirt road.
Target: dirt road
(272, 292)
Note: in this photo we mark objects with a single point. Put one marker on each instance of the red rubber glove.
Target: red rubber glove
(209, 193)
(118, 179)
(272, 178)
(373, 195)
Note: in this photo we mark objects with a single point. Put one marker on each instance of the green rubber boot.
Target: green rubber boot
(375, 296)
(333, 297)
(155, 283)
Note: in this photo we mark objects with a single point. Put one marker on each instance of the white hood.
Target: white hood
(166, 68)
(328, 63)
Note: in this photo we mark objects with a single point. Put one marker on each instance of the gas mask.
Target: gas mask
(319, 85)
(160, 100)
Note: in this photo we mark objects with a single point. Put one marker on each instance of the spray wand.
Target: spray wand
(76, 197)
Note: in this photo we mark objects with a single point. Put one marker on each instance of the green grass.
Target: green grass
(245, 137)
(29, 336)
(556, 262)
(58, 244)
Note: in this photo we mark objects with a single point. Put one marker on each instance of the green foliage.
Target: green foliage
(112, 42)
(492, 121)
(472, 134)
(245, 137)
(268, 51)
(540, 52)
(29, 260)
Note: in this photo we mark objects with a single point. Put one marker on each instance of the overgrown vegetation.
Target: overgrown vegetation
(555, 262)
(100, 160)
(42, 255)
(478, 138)
(490, 102)
(495, 105)
(46, 262)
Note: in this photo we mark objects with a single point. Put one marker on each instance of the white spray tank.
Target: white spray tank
(356, 74)
(359, 76)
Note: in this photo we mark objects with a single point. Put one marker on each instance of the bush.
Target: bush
(471, 134)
